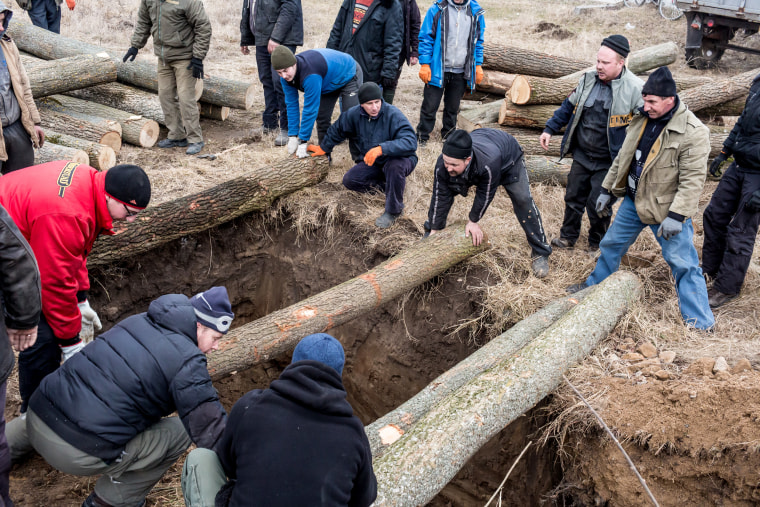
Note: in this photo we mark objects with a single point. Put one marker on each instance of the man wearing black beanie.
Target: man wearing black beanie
(486, 159)
(61, 208)
(596, 115)
(659, 173)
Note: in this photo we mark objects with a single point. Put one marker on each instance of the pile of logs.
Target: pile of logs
(91, 102)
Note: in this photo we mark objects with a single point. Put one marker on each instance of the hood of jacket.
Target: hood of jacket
(315, 386)
(175, 313)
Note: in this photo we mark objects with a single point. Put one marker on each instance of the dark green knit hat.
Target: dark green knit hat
(282, 58)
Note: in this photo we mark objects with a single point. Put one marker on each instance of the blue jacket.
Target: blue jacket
(391, 131)
(128, 378)
(432, 44)
(318, 71)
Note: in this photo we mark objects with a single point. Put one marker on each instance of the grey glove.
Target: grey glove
(669, 228)
(292, 145)
(717, 162)
(601, 205)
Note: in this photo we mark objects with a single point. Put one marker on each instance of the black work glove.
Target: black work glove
(131, 53)
(388, 83)
(197, 65)
(426, 228)
(717, 162)
(753, 203)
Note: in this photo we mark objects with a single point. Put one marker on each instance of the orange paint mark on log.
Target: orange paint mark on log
(371, 278)
(573, 301)
(394, 265)
(389, 434)
(256, 354)
(301, 314)
(194, 206)
(226, 344)
(406, 418)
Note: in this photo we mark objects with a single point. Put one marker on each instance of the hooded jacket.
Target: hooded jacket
(279, 20)
(297, 443)
(128, 378)
(180, 29)
(376, 44)
(743, 142)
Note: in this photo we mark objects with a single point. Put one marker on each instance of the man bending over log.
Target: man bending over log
(387, 149)
(596, 115)
(61, 208)
(659, 172)
(104, 411)
(296, 443)
(486, 159)
(324, 76)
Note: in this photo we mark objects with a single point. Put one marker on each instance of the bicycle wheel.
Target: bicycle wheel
(634, 3)
(669, 10)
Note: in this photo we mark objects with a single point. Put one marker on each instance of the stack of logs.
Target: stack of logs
(534, 84)
(90, 101)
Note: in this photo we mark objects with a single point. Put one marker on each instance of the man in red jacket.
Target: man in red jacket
(61, 208)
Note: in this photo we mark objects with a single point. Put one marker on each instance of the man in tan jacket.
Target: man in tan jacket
(659, 172)
(20, 132)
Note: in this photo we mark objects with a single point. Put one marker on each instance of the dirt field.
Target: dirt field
(693, 435)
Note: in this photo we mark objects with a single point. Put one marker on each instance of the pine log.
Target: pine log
(733, 107)
(136, 129)
(415, 468)
(718, 91)
(213, 112)
(106, 132)
(525, 116)
(388, 429)
(201, 211)
(640, 61)
(51, 151)
(514, 60)
(100, 156)
(279, 332)
(58, 76)
(495, 82)
(547, 170)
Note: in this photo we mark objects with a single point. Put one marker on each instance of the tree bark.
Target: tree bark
(718, 92)
(534, 90)
(733, 107)
(386, 430)
(640, 61)
(204, 210)
(51, 151)
(414, 469)
(100, 156)
(106, 132)
(280, 331)
(525, 116)
(495, 82)
(213, 112)
(514, 60)
(58, 76)
(136, 130)
(478, 116)
(546, 170)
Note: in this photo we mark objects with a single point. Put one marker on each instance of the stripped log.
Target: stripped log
(101, 131)
(719, 91)
(58, 76)
(514, 60)
(198, 212)
(388, 429)
(525, 116)
(641, 61)
(415, 468)
(51, 151)
(136, 129)
(100, 156)
(280, 331)
(495, 82)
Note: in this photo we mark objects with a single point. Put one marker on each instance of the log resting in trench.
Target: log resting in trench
(642, 60)
(388, 429)
(280, 331)
(415, 468)
(59, 76)
(160, 224)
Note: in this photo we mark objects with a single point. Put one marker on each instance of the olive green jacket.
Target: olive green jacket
(674, 171)
(180, 29)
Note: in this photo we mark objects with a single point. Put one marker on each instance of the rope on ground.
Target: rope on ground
(609, 432)
(506, 476)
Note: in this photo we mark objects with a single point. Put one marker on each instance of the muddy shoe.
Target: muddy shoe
(386, 220)
(716, 298)
(195, 148)
(281, 139)
(171, 143)
(576, 287)
(562, 243)
(540, 266)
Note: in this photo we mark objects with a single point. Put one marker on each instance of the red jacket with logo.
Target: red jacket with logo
(60, 208)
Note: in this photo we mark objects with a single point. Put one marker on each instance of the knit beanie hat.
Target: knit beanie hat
(129, 185)
(458, 145)
(660, 83)
(369, 91)
(323, 348)
(213, 309)
(282, 58)
(618, 44)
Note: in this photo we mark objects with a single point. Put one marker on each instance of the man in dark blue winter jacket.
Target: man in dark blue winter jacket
(104, 411)
(387, 144)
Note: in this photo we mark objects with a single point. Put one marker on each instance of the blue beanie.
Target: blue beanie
(213, 309)
(323, 348)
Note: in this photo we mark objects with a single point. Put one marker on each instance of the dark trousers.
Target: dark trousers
(454, 86)
(389, 178)
(527, 212)
(5, 454)
(583, 188)
(46, 14)
(37, 362)
(18, 147)
(389, 92)
(274, 99)
(349, 98)
(730, 230)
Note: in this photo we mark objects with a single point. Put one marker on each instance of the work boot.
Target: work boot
(171, 143)
(281, 139)
(195, 148)
(540, 266)
(593, 248)
(716, 298)
(576, 287)
(95, 501)
(386, 220)
(562, 243)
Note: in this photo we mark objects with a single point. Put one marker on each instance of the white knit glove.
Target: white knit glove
(302, 151)
(90, 322)
(292, 144)
(71, 350)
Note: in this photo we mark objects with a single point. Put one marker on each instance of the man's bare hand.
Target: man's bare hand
(474, 230)
(544, 139)
(22, 339)
(271, 46)
(245, 50)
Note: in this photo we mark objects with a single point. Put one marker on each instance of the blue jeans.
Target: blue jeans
(46, 14)
(679, 253)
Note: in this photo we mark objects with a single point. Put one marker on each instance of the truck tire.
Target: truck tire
(704, 57)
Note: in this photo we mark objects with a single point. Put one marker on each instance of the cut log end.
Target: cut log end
(113, 140)
(105, 159)
(519, 92)
(149, 134)
(250, 93)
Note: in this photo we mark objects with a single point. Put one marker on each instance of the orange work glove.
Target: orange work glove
(478, 74)
(315, 150)
(425, 73)
(372, 155)
(71, 4)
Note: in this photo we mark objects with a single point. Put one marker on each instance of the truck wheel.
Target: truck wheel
(704, 57)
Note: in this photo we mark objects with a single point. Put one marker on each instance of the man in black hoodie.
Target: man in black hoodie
(296, 443)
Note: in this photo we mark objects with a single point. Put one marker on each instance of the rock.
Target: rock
(651, 370)
(633, 357)
(647, 350)
(661, 375)
(701, 367)
(722, 375)
(645, 366)
(720, 365)
(741, 365)
(667, 356)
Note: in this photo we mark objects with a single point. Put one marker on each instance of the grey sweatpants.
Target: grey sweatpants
(202, 478)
